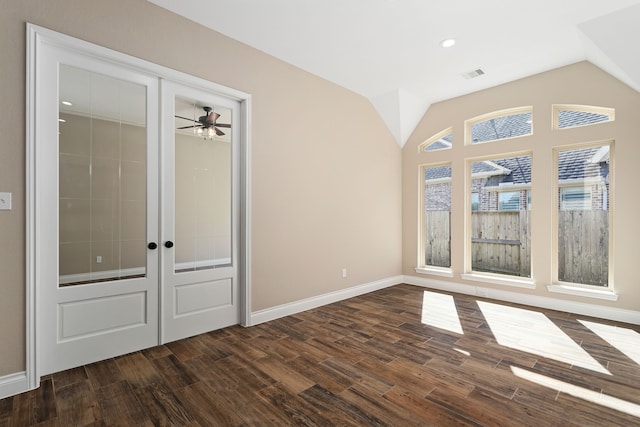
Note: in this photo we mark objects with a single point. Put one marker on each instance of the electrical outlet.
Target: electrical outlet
(5, 201)
(344, 273)
(99, 259)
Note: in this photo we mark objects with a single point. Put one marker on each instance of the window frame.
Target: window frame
(576, 288)
(491, 277)
(422, 266)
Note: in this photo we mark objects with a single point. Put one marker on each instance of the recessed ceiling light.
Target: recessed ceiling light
(447, 42)
(62, 120)
(66, 103)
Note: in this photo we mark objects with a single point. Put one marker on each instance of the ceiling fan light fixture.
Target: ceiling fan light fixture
(205, 132)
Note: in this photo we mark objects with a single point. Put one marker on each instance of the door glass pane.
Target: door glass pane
(202, 186)
(102, 178)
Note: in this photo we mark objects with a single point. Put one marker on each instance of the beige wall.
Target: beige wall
(581, 83)
(325, 170)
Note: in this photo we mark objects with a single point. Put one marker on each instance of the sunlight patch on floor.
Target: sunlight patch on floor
(465, 352)
(626, 340)
(579, 392)
(533, 332)
(439, 310)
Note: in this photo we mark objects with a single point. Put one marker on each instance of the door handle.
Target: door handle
(152, 245)
(168, 244)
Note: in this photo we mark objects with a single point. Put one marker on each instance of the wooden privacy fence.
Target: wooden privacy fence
(500, 243)
(437, 248)
(583, 247)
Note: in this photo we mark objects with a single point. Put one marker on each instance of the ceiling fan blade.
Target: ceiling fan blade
(212, 117)
(223, 125)
(189, 127)
(218, 132)
(185, 118)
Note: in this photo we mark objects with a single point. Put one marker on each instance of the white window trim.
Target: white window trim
(604, 294)
(500, 279)
(435, 271)
(422, 148)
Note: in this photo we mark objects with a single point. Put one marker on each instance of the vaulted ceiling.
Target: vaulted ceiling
(389, 50)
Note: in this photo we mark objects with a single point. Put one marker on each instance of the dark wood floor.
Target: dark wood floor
(369, 360)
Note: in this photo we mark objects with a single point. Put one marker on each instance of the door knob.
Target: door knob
(152, 245)
(168, 244)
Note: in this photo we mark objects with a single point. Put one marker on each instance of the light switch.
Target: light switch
(5, 201)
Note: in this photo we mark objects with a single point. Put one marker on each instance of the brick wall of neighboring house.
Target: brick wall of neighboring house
(438, 196)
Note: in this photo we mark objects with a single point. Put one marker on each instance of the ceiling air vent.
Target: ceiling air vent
(473, 74)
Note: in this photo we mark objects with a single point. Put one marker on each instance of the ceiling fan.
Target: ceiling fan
(206, 124)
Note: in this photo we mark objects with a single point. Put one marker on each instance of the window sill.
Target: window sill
(500, 280)
(444, 272)
(584, 292)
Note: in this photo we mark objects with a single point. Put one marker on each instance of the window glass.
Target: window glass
(500, 226)
(475, 201)
(575, 198)
(509, 201)
(437, 215)
(583, 215)
(498, 127)
(440, 141)
(579, 115)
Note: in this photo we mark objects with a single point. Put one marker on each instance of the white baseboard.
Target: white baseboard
(13, 384)
(283, 310)
(576, 307)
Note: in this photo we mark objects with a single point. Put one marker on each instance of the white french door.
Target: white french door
(96, 210)
(136, 209)
(200, 206)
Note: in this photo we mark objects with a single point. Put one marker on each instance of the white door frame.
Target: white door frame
(38, 39)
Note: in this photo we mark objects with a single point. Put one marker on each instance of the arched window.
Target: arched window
(441, 141)
(570, 116)
(498, 125)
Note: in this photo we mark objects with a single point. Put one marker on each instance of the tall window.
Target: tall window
(583, 214)
(437, 215)
(500, 225)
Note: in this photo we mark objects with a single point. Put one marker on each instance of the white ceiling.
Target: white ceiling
(389, 52)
